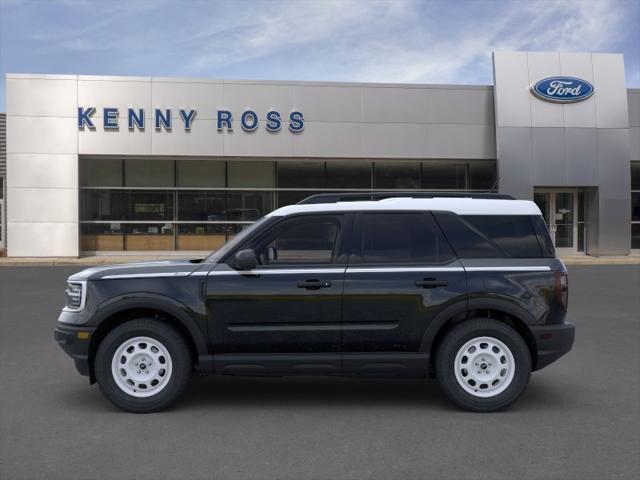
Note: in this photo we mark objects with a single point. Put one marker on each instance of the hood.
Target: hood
(160, 268)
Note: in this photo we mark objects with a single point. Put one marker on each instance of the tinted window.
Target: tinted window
(468, 242)
(302, 240)
(483, 236)
(513, 234)
(401, 238)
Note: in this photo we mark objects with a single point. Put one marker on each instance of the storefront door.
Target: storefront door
(563, 212)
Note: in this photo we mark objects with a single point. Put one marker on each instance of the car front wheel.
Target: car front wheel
(483, 365)
(143, 365)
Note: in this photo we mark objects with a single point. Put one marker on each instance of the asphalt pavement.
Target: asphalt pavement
(578, 419)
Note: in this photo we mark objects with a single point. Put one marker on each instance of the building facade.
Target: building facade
(130, 164)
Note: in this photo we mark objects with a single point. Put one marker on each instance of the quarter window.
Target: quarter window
(402, 238)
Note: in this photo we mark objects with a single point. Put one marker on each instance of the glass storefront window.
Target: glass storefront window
(101, 172)
(635, 175)
(201, 173)
(166, 192)
(251, 174)
(204, 236)
(150, 205)
(300, 174)
(482, 176)
(356, 174)
(635, 236)
(103, 204)
(396, 175)
(443, 176)
(149, 173)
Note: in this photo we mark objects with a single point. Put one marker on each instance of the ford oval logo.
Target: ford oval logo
(562, 89)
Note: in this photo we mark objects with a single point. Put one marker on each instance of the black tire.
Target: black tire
(171, 340)
(455, 339)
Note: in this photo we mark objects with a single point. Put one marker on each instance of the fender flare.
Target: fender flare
(463, 307)
(182, 313)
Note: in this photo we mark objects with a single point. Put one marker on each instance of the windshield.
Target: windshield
(215, 256)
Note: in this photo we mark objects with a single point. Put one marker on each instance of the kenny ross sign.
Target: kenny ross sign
(163, 119)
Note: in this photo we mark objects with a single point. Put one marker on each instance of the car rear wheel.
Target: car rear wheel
(143, 365)
(483, 365)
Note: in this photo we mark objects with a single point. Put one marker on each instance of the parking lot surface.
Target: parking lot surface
(579, 418)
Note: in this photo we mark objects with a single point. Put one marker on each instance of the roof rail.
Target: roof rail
(360, 196)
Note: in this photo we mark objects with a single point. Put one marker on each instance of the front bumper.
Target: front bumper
(553, 341)
(74, 340)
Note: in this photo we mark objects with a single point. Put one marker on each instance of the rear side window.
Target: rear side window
(401, 238)
(491, 236)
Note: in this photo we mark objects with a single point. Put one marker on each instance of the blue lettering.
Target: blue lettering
(224, 120)
(273, 123)
(136, 120)
(84, 117)
(163, 120)
(187, 118)
(296, 122)
(249, 121)
(110, 118)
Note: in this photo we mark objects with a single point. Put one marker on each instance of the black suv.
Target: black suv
(464, 289)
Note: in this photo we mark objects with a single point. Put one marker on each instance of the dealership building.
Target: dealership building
(104, 165)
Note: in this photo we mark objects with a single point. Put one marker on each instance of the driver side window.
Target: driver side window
(304, 240)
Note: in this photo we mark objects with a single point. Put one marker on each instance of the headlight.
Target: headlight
(76, 293)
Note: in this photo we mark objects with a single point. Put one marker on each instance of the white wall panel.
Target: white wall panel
(42, 170)
(205, 97)
(544, 114)
(611, 92)
(328, 140)
(101, 92)
(511, 79)
(260, 143)
(395, 105)
(580, 114)
(260, 99)
(329, 103)
(46, 239)
(42, 205)
(121, 141)
(41, 134)
(49, 97)
(385, 140)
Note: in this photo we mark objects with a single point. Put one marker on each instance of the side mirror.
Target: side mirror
(245, 260)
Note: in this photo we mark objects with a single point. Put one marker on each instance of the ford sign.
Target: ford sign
(562, 89)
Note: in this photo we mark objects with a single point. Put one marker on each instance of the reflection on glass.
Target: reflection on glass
(390, 175)
(542, 200)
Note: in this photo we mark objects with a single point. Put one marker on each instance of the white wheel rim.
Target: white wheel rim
(141, 367)
(484, 367)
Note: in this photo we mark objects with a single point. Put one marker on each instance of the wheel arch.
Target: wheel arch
(119, 310)
(498, 309)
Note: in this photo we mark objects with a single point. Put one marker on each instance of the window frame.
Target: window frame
(355, 256)
(263, 237)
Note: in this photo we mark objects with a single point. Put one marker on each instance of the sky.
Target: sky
(404, 41)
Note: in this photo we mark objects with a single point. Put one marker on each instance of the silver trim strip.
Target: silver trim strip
(333, 270)
(509, 269)
(278, 272)
(145, 275)
(404, 269)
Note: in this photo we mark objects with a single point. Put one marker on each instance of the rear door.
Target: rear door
(401, 274)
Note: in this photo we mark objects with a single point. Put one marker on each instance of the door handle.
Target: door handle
(314, 284)
(431, 283)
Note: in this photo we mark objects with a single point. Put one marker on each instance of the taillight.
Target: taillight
(562, 289)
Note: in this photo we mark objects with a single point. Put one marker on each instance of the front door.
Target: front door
(401, 274)
(559, 209)
(289, 305)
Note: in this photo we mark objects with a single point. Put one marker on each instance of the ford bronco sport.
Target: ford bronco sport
(465, 288)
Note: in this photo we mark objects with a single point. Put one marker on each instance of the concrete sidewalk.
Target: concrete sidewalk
(112, 259)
